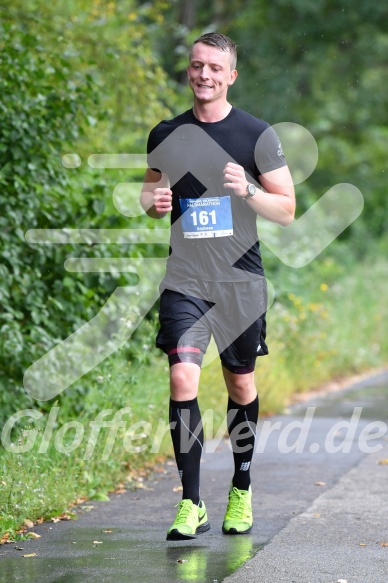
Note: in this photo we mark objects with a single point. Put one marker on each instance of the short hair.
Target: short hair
(220, 41)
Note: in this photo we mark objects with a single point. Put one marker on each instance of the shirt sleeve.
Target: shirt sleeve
(269, 153)
(152, 143)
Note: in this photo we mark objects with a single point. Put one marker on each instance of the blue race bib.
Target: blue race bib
(206, 217)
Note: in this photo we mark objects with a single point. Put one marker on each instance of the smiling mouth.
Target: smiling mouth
(204, 86)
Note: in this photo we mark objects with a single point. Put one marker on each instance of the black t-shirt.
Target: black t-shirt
(193, 154)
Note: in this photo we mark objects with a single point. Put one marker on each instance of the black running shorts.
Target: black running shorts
(234, 313)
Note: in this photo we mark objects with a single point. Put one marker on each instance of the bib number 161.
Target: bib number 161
(203, 218)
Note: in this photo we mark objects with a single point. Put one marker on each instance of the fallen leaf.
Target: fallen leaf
(40, 520)
(56, 519)
(178, 489)
(107, 531)
(4, 538)
(120, 490)
(141, 486)
(384, 544)
(320, 483)
(28, 523)
(97, 542)
(316, 515)
(383, 462)
(65, 516)
(30, 555)
(33, 535)
(362, 545)
(19, 549)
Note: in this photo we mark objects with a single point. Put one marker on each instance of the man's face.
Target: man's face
(210, 73)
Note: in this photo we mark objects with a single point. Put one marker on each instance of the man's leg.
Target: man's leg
(243, 412)
(186, 426)
(180, 337)
(187, 439)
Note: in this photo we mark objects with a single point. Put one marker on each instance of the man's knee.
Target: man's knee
(184, 381)
(241, 387)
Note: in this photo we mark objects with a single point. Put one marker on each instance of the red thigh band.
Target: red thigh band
(185, 354)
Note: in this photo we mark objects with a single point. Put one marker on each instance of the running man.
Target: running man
(214, 168)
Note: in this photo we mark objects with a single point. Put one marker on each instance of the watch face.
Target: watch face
(251, 189)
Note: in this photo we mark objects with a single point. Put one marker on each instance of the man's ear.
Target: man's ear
(233, 77)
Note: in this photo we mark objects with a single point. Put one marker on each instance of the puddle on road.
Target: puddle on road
(129, 556)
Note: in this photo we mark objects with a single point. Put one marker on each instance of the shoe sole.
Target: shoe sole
(176, 535)
(233, 531)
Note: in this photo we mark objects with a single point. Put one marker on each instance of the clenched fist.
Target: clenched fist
(162, 200)
(235, 178)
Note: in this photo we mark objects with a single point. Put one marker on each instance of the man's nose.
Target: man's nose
(205, 72)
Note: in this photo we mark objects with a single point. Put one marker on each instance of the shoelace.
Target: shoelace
(185, 509)
(238, 502)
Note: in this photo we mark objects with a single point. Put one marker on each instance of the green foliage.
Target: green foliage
(110, 42)
(41, 104)
(322, 64)
(59, 76)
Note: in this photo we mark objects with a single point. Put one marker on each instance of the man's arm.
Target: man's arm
(156, 196)
(277, 204)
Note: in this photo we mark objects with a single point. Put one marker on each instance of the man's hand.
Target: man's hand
(162, 200)
(235, 178)
(156, 196)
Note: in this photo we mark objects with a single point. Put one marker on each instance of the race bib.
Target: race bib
(206, 217)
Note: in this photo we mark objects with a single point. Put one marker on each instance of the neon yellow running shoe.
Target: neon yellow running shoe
(238, 517)
(190, 520)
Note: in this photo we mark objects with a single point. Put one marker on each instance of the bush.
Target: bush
(43, 105)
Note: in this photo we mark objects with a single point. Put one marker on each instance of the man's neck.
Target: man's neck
(211, 112)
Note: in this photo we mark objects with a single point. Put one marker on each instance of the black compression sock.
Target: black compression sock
(187, 439)
(242, 422)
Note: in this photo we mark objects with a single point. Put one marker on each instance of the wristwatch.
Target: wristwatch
(251, 191)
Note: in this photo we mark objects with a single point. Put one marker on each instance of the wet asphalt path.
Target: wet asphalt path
(321, 512)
